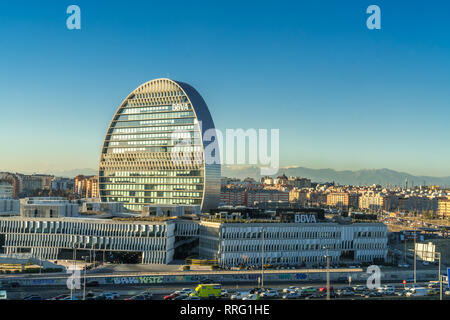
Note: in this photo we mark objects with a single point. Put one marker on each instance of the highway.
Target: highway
(159, 291)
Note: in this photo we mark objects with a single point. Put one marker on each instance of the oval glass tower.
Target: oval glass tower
(154, 151)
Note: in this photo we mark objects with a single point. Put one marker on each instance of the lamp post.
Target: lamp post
(415, 253)
(74, 257)
(84, 282)
(262, 261)
(440, 277)
(328, 272)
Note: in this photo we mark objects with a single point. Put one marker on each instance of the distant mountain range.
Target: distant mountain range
(347, 177)
(73, 173)
(360, 177)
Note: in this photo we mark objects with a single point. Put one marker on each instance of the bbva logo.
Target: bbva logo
(305, 218)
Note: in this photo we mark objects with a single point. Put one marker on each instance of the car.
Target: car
(433, 291)
(192, 298)
(171, 296)
(252, 296)
(447, 292)
(417, 292)
(434, 284)
(224, 293)
(33, 297)
(292, 295)
(111, 295)
(238, 295)
(181, 297)
(60, 297)
(270, 294)
(359, 288)
(324, 289)
(147, 294)
(290, 289)
(187, 291)
(387, 290)
(401, 293)
(308, 290)
(345, 293)
(315, 296)
(372, 294)
(426, 263)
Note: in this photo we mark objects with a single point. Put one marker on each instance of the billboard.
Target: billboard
(426, 251)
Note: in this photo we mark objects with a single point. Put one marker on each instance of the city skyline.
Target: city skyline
(346, 97)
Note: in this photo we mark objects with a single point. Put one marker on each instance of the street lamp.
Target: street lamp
(262, 254)
(328, 272)
(84, 284)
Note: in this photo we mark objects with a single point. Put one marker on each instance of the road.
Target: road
(160, 291)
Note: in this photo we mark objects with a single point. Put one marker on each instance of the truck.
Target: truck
(212, 290)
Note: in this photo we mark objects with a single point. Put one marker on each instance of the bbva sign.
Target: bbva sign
(305, 218)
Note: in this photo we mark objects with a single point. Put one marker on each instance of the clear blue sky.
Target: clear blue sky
(343, 96)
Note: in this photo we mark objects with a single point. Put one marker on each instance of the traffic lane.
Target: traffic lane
(130, 290)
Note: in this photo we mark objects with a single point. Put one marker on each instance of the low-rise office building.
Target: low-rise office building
(9, 207)
(98, 206)
(306, 244)
(49, 207)
(153, 242)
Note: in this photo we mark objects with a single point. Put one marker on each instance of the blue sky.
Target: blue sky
(343, 96)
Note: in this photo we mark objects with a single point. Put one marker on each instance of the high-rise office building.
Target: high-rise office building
(154, 149)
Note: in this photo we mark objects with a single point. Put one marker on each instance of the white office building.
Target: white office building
(45, 238)
(306, 244)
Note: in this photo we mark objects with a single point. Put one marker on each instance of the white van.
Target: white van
(3, 295)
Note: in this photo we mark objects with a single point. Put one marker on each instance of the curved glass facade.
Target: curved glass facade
(153, 151)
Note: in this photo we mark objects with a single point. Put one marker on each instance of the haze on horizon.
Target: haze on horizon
(344, 97)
